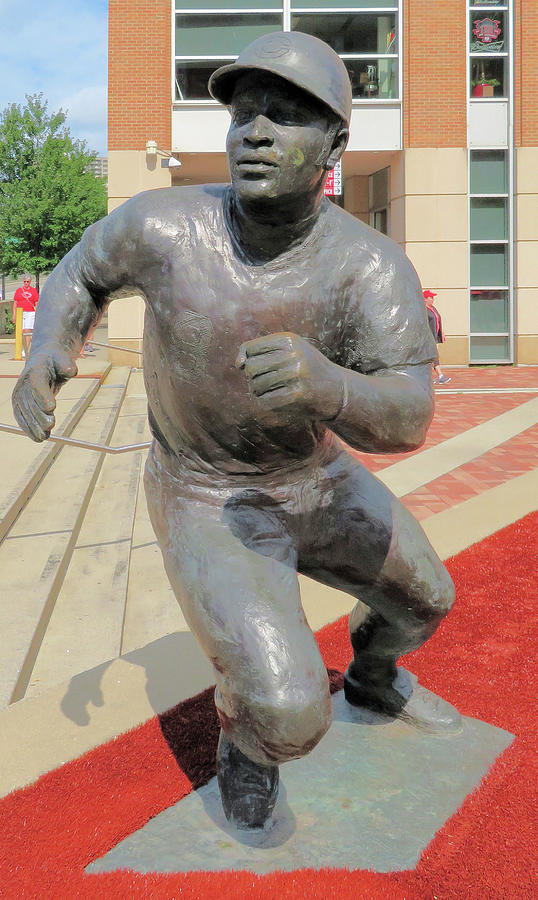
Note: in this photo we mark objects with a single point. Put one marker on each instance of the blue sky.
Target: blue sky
(58, 47)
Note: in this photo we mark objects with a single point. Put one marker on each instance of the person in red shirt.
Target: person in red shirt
(436, 328)
(26, 298)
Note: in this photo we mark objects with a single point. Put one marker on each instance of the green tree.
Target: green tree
(47, 196)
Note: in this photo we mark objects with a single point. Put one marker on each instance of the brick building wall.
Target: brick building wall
(139, 79)
(435, 59)
(526, 73)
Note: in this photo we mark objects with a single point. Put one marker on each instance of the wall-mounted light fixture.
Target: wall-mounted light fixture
(168, 161)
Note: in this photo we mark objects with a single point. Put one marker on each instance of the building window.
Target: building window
(367, 43)
(489, 77)
(209, 33)
(490, 349)
(490, 185)
(223, 35)
(206, 40)
(488, 49)
(489, 257)
(379, 200)
(489, 172)
(489, 312)
(192, 76)
(489, 265)
(489, 219)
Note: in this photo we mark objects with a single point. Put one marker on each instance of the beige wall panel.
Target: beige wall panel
(527, 349)
(436, 171)
(132, 171)
(527, 264)
(527, 216)
(356, 194)
(436, 217)
(125, 319)
(454, 308)
(114, 202)
(120, 358)
(201, 168)
(397, 220)
(443, 263)
(455, 351)
(397, 177)
(527, 310)
(527, 170)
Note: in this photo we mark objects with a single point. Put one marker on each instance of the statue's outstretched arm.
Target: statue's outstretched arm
(72, 300)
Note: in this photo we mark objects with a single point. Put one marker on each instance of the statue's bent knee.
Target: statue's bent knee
(444, 593)
(276, 729)
(440, 596)
(429, 612)
(295, 728)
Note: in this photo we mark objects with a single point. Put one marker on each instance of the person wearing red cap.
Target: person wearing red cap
(26, 298)
(436, 328)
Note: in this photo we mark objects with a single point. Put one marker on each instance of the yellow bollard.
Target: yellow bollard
(18, 333)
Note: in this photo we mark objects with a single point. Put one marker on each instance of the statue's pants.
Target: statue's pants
(232, 547)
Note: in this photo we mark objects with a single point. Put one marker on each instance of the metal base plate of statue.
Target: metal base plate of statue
(371, 795)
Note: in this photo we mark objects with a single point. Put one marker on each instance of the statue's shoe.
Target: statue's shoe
(404, 699)
(248, 790)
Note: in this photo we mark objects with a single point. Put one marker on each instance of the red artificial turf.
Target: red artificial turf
(480, 659)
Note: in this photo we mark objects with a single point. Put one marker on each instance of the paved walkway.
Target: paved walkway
(93, 640)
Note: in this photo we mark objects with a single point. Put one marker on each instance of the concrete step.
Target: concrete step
(30, 460)
(116, 596)
(152, 609)
(35, 554)
(86, 626)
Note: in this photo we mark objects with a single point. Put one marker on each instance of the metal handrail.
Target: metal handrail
(86, 445)
(113, 347)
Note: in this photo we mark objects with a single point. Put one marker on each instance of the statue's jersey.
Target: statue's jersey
(346, 288)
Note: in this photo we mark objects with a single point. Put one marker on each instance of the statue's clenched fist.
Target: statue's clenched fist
(34, 399)
(284, 371)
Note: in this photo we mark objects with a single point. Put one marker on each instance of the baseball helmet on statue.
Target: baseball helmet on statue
(299, 58)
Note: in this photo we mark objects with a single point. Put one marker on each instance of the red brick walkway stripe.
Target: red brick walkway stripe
(454, 414)
(508, 460)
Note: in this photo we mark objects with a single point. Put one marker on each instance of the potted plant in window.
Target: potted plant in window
(484, 87)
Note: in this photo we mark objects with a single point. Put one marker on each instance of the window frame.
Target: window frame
(286, 11)
(507, 243)
(493, 54)
(506, 54)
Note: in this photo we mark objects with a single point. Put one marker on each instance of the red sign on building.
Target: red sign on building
(487, 30)
(333, 185)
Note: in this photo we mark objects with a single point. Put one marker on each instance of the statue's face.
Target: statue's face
(276, 139)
